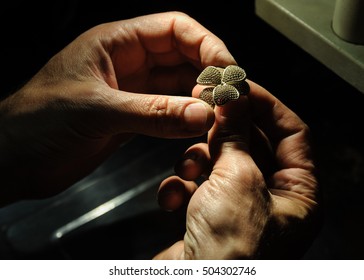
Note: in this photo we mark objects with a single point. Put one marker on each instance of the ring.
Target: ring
(224, 84)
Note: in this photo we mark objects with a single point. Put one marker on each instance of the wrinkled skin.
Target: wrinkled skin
(260, 196)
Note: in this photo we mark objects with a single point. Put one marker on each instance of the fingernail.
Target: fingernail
(196, 116)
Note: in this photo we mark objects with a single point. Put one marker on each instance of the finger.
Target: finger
(155, 115)
(195, 163)
(261, 151)
(285, 130)
(174, 192)
(290, 139)
(232, 127)
(197, 90)
(162, 40)
(163, 32)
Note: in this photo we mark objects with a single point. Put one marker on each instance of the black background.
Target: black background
(31, 32)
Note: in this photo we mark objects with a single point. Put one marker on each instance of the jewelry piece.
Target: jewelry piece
(225, 84)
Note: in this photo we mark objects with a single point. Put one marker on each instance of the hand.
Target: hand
(260, 196)
(115, 80)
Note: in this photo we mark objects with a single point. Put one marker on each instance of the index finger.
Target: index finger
(180, 31)
(175, 36)
(288, 134)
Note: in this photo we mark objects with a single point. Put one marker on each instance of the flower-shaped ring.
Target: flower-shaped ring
(224, 84)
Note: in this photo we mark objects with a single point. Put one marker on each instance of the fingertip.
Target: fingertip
(174, 192)
(188, 169)
(171, 194)
(195, 163)
(197, 90)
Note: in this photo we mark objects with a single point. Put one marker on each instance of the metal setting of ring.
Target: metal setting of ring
(224, 84)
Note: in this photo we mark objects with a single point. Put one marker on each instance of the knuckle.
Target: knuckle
(163, 114)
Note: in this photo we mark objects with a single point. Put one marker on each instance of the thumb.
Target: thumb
(158, 115)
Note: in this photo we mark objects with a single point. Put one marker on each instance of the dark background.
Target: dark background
(32, 32)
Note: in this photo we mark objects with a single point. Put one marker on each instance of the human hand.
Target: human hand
(115, 80)
(260, 196)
